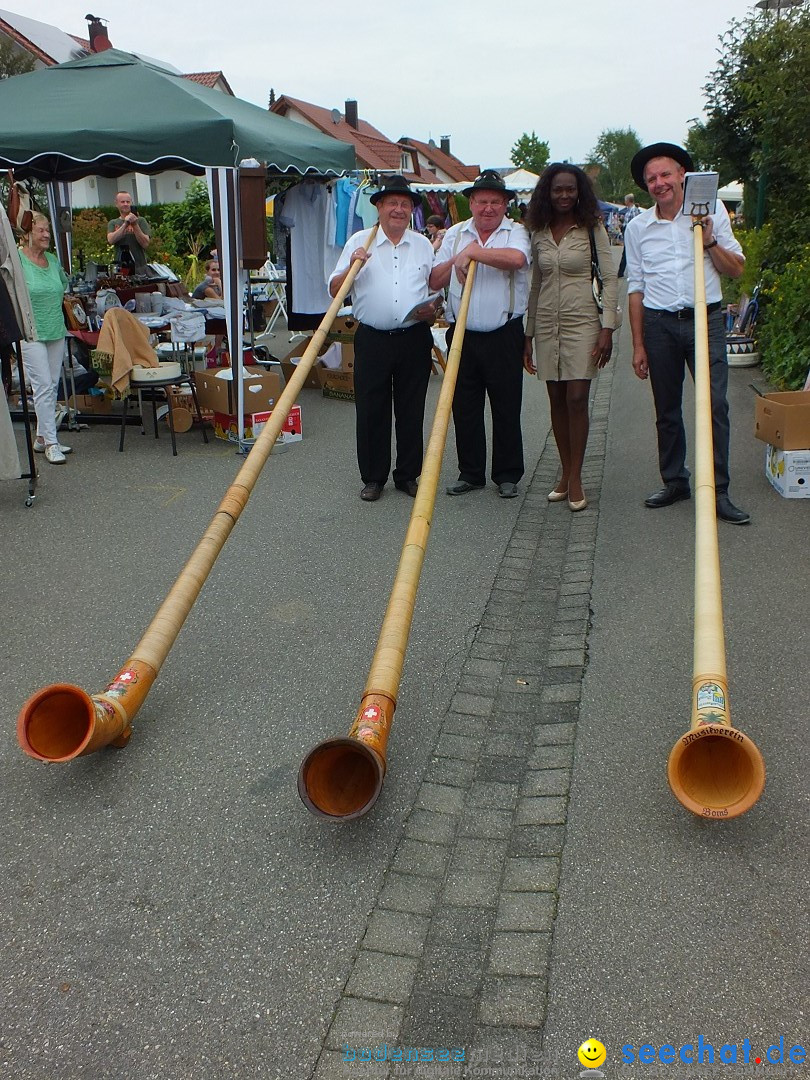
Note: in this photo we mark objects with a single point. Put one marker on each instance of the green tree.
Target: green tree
(189, 222)
(530, 153)
(13, 61)
(612, 155)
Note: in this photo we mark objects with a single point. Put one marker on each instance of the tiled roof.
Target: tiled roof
(209, 79)
(448, 163)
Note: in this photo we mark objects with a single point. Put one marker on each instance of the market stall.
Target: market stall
(112, 113)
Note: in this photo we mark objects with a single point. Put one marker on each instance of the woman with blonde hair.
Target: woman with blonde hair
(46, 282)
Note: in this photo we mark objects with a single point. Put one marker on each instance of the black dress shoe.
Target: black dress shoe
(507, 490)
(410, 487)
(729, 512)
(462, 487)
(668, 495)
(371, 492)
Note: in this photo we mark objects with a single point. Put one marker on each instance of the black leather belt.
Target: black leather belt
(391, 333)
(686, 312)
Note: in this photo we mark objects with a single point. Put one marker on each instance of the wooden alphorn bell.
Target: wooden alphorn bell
(61, 721)
(341, 778)
(714, 770)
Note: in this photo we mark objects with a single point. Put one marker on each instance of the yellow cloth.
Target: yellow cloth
(127, 340)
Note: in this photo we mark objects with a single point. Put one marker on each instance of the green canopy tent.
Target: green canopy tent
(112, 113)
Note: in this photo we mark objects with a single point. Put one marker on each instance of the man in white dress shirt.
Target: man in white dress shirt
(393, 342)
(661, 296)
(492, 353)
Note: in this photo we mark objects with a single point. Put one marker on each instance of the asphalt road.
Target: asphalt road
(170, 910)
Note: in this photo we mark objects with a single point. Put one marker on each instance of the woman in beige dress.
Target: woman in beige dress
(572, 338)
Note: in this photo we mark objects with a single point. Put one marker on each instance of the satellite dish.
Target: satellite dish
(337, 116)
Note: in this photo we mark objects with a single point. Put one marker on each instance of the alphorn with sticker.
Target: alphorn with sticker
(714, 770)
(341, 778)
(62, 722)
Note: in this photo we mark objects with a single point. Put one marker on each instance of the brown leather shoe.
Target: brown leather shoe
(410, 487)
(371, 492)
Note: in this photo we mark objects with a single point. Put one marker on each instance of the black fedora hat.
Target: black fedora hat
(489, 180)
(659, 149)
(395, 185)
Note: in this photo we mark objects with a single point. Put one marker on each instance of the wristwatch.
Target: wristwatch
(710, 245)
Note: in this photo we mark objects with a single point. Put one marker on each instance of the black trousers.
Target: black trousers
(391, 369)
(670, 344)
(491, 364)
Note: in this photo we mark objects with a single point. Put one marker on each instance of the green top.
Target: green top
(47, 288)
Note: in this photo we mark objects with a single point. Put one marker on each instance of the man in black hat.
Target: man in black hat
(660, 287)
(492, 353)
(393, 342)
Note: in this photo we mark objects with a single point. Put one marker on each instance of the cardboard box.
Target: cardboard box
(788, 471)
(339, 385)
(262, 391)
(225, 426)
(343, 329)
(91, 403)
(314, 380)
(783, 420)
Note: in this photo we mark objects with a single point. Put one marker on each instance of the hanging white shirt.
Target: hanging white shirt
(305, 213)
(661, 259)
(393, 280)
(497, 295)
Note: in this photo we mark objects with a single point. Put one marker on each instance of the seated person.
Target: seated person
(210, 288)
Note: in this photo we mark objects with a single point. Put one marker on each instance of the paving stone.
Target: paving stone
(567, 658)
(399, 932)
(493, 795)
(490, 651)
(505, 584)
(441, 798)
(531, 911)
(484, 668)
(551, 757)
(492, 823)
(458, 746)
(430, 827)
(546, 782)
(425, 860)
(477, 686)
(472, 704)
(572, 576)
(514, 1051)
(450, 772)
(529, 841)
(531, 875)
(556, 714)
(546, 810)
(332, 1065)
(502, 745)
(479, 855)
(503, 770)
(520, 954)
(466, 927)
(563, 642)
(405, 892)
(382, 977)
(492, 637)
(439, 1020)
(513, 1001)
(450, 969)
(563, 676)
(475, 890)
(513, 722)
(562, 692)
(359, 1022)
(461, 724)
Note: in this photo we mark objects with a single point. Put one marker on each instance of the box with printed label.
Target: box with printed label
(788, 472)
(783, 420)
(216, 390)
(339, 384)
(314, 379)
(342, 329)
(225, 426)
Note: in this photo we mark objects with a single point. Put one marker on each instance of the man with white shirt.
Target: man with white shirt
(393, 342)
(492, 353)
(660, 287)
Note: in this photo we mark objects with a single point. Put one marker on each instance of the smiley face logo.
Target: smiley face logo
(592, 1054)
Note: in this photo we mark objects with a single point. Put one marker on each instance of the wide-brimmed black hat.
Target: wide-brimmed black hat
(659, 149)
(489, 180)
(395, 185)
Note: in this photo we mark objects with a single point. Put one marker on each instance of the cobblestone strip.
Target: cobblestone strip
(456, 952)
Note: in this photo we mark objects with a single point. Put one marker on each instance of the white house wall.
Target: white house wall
(166, 187)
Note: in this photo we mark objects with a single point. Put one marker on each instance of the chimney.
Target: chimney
(99, 41)
(445, 144)
(351, 114)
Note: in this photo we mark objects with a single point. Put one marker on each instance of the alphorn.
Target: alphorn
(714, 770)
(341, 778)
(62, 722)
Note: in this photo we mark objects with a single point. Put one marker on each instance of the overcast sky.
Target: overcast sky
(480, 72)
